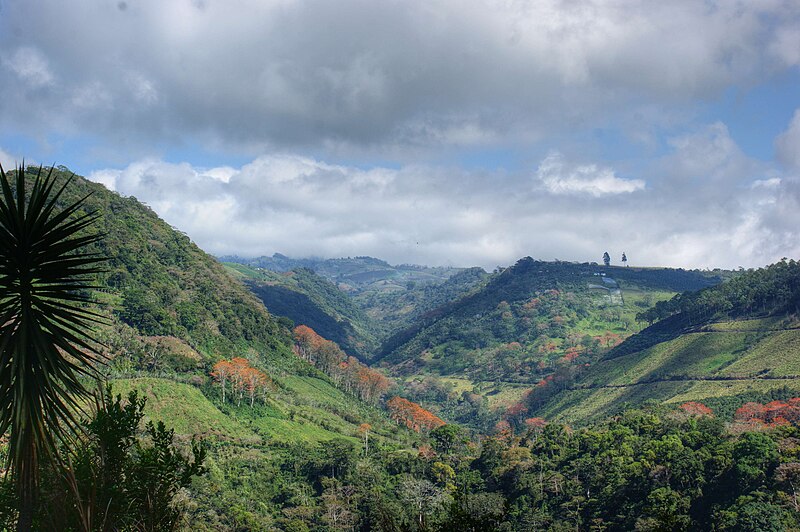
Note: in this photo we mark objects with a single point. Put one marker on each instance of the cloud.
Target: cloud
(30, 66)
(582, 179)
(7, 160)
(788, 144)
(427, 214)
(381, 77)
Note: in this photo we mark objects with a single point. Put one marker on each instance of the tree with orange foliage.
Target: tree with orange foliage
(516, 410)
(695, 409)
(535, 424)
(412, 415)
(255, 380)
(222, 373)
(242, 376)
(749, 412)
(238, 381)
(307, 341)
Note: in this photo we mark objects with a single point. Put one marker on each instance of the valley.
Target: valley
(331, 392)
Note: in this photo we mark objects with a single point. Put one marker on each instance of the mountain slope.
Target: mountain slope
(160, 284)
(534, 302)
(309, 299)
(725, 345)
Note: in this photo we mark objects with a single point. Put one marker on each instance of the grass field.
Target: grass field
(312, 411)
(726, 359)
(185, 409)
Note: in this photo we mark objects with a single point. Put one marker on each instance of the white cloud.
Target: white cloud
(302, 206)
(8, 161)
(30, 66)
(559, 177)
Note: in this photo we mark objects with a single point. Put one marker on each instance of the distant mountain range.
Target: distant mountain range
(353, 273)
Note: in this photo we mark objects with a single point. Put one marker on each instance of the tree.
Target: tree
(222, 372)
(118, 481)
(46, 345)
(448, 439)
(243, 377)
(364, 429)
(606, 258)
(412, 415)
(423, 497)
(624, 259)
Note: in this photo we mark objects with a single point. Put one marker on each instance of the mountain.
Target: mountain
(357, 320)
(354, 274)
(722, 346)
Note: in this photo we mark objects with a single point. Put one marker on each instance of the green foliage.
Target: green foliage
(762, 292)
(636, 471)
(161, 284)
(117, 479)
(708, 347)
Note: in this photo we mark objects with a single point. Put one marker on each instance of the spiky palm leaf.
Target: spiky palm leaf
(45, 340)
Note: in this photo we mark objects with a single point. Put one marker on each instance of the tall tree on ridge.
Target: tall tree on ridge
(606, 258)
(45, 329)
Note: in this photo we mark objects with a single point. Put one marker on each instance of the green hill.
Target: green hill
(159, 283)
(536, 305)
(520, 326)
(723, 346)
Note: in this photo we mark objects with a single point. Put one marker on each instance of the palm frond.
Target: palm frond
(46, 343)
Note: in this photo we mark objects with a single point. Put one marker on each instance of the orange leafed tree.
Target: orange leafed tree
(695, 409)
(535, 424)
(412, 415)
(307, 341)
(243, 378)
(345, 371)
(771, 414)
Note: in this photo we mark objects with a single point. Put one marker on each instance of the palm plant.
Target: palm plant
(46, 349)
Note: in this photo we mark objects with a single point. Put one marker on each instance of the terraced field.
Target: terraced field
(726, 359)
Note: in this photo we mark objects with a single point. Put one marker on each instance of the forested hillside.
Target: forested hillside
(160, 284)
(478, 355)
(309, 299)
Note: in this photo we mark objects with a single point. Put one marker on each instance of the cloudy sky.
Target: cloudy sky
(435, 131)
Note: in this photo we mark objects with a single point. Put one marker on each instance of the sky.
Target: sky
(439, 132)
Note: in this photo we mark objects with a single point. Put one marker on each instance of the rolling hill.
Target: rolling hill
(723, 346)
(484, 351)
